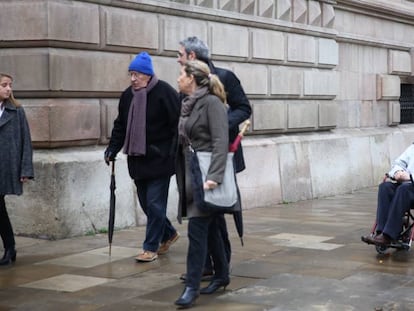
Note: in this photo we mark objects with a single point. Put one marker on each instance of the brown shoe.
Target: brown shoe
(146, 256)
(165, 246)
(381, 240)
(369, 239)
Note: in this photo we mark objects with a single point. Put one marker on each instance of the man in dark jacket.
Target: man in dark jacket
(240, 110)
(146, 128)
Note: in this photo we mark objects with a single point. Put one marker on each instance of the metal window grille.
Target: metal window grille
(407, 103)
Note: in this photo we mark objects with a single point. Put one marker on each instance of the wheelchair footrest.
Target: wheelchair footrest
(400, 245)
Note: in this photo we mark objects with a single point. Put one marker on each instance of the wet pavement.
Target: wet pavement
(298, 256)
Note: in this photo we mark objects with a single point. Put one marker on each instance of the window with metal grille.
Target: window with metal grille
(407, 103)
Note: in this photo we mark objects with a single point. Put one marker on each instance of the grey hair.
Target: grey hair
(194, 44)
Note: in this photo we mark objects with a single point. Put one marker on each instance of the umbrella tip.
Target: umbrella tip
(110, 250)
(241, 240)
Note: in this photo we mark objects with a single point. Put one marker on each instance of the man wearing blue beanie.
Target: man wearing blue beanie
(145, 129)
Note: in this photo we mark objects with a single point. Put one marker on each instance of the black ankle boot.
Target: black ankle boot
(214, 286)
(187, 298)
(8, 257)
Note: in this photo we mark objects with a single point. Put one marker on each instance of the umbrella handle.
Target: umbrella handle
(245, 127)
(113, 167)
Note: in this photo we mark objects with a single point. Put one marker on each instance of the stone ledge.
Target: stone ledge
(70, 193)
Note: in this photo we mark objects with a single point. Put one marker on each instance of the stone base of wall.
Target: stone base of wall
(70, 195)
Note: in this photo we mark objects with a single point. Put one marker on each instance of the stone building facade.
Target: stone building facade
(323, 78)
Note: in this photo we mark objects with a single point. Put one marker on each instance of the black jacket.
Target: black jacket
(163, 110)
(240, 109)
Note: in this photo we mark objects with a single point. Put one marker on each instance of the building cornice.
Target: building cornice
(221, 16)
(379, 8)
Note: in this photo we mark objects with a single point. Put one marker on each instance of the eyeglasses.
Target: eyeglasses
(179, 54)
(135, 75)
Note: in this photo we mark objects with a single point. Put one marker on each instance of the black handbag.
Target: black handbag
(224, 197)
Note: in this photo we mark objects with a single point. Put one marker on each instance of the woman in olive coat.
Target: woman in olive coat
(203, 123)
(16, 165)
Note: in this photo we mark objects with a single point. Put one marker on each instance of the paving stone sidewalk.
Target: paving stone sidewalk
(304, 256)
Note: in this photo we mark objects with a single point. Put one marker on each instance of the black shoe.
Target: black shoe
(187, 298)
(9, 257)
(214, 286)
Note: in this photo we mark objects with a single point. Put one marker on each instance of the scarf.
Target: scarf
(136, 139)
(186, 109)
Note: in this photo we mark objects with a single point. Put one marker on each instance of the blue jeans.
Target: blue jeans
(153, 197)
(6, 230)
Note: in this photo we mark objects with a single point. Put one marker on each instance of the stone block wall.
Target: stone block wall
(79, 51)
(312, 55)
(323, 78)
(375, 40)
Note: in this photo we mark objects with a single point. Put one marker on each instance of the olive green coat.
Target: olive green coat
(207, 128)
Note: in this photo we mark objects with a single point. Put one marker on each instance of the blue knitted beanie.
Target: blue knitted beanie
(142, 63)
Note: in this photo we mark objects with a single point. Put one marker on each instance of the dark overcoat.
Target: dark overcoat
(163, 111)
(207, 129)
(240, 109)
(16, 153)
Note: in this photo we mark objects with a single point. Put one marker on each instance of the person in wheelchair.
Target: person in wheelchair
(395, 198)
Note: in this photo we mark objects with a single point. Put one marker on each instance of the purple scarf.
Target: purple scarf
(136, 138)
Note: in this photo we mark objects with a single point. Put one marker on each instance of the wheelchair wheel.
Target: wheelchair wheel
(381, 249)
(405, 235)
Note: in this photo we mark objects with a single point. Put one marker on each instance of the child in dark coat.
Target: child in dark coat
(16, 166)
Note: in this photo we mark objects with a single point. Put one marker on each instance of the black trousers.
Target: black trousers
(204, 236)
(224, 236)
(6, 230)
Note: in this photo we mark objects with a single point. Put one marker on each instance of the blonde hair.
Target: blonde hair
(203, 77)
(11, 99)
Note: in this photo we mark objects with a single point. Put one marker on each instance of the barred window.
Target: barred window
(407, 103)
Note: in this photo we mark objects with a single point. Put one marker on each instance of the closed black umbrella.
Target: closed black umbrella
(238, 214)
(238, 218)
(111, 221)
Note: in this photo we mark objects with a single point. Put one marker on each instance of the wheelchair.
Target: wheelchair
(404, 239)
(406, 236)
